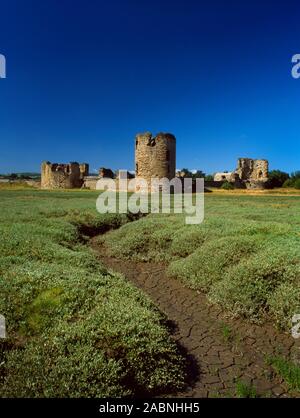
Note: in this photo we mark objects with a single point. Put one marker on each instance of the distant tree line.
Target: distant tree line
(196, 174)
(20, 176)
(278, 178)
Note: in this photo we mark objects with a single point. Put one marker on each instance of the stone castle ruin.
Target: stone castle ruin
(63, 176)
(231, 177)
(253, 170)
(90, 182)
(155, 157)
(250, 174)
(106, 173)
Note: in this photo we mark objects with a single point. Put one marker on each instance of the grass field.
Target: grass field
(74, 329)
(245, 256)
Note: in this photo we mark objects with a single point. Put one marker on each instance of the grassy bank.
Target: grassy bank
(74, 329)
(245, 255)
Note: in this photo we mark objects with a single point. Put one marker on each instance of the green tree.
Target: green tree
(297, 184)
(288, 183)
(227, 186)
(186, 172)
(277, 178)
(295, 175)
(292, 180)
(198, 175)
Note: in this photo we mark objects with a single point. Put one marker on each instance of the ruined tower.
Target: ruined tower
(254, 173)
(155, 156)
(62, 176)
(249, 169)
(84, 170)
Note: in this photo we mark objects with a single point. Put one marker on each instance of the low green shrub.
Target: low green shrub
(227, 186)
(116, 345)
(248, 286)
(74, 329)
(144, 240)
(245, 254)
(288, 183)
(186, 239)
(297, 184)
(287, 370)
(245, 390)
(284, 303)
(208, 264)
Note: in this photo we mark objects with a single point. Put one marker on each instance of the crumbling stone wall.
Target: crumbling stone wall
(230, 177)
(260, 170)
(254, 173)
(106, 173)
(90, 182)
(250, 173)
(249, 169)
(155, 156)
(84, 170)
(62, 176)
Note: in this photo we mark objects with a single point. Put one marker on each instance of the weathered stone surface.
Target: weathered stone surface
(231, 177)
(155, 157)
(62, 176)
(90, 182)
(250, 174)
(84, 170)
(254, 173)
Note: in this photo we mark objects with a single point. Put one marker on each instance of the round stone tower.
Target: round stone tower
(155, 156)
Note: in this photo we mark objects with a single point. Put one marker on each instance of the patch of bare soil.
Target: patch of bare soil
(220, 351)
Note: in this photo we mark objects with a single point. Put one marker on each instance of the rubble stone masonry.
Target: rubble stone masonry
(63, 176)
(155, 156)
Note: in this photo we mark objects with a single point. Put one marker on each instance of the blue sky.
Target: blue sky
(83, 77)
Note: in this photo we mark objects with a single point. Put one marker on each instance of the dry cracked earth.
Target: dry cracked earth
(219, 351)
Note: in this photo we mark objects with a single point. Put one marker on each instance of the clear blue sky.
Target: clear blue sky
(83, 77)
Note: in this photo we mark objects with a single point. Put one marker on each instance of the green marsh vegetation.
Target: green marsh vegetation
(74, 329)
(245, 255)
